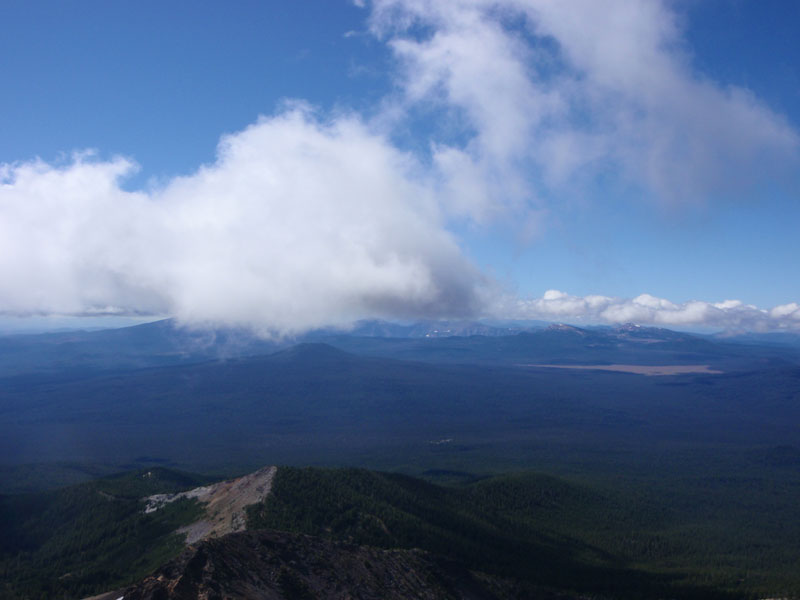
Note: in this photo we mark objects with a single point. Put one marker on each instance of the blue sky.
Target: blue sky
(401, 159)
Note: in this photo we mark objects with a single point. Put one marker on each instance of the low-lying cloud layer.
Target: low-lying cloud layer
(646, 309)
(307, 220)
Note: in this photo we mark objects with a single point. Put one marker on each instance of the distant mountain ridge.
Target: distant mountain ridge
(164, 343)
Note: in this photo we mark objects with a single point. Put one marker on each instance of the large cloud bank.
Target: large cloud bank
(297, 224)
(307, 219)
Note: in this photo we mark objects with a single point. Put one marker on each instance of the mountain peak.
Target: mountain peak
(652, 333)
(563, 327)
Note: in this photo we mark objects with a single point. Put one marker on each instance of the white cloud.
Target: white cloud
(302, 221)
(564, 90)
(297, 224)
(650, 310)
(786, 312)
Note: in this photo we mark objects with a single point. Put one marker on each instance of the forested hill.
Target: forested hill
(523, 535)
(84, 539)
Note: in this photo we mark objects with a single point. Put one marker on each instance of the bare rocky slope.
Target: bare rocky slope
(224, 504)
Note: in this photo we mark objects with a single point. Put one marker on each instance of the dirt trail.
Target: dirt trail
(225, 504)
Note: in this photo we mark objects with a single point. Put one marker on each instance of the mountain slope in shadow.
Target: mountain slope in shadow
(272, 565)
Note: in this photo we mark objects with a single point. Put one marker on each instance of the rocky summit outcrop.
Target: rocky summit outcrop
(271, 565)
